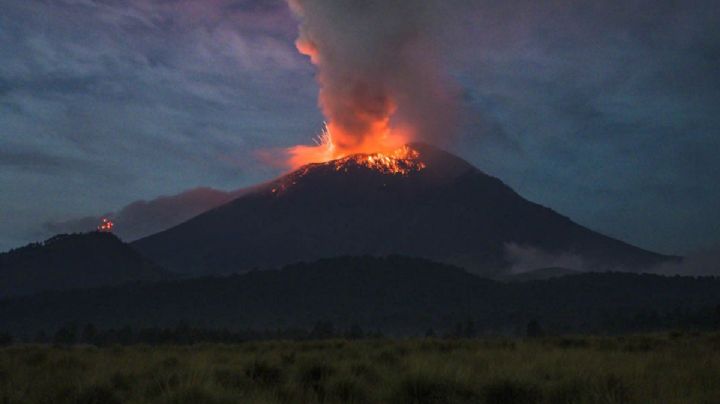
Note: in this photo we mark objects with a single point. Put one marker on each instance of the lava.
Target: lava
(105, 226)
(401, 161)
(332, 144)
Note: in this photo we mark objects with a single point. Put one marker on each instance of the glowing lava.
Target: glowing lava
(401, 161)
(329, 146)
(105, 226)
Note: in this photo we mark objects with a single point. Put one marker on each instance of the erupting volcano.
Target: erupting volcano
(401, 161)
(384, 148)
(371, 185)
(417, 201)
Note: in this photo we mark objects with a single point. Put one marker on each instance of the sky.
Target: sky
(608, 112)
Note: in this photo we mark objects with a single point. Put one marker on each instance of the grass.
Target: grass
(672, 368)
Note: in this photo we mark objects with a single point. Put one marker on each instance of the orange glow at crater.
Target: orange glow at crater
(401, 161)
(332, 144)
(358, 112)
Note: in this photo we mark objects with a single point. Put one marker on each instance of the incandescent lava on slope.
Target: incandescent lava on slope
(402, 161)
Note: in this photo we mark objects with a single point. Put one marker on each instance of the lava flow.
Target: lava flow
(400, 161)
(105, 226)
(383, 143)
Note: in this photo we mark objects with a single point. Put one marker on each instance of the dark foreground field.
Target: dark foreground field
(641, 369)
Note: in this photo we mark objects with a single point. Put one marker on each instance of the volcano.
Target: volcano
(419, 201)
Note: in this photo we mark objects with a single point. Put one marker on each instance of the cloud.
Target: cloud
(143, 218)
(528, 258)
(106, 102)
(705, 262)
(50, 164)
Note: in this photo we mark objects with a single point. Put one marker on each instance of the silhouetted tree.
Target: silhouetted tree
(376, 334)
(6, 339)
(41, 337)
(355, 332)
(66, 335)
(430, 333)
(458, 331)
(534, 330)
(182, 334)
(469, 329)
(322, 330)
(125, 335)
(89, 334)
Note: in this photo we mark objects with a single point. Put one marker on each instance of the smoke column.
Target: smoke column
(380, 77)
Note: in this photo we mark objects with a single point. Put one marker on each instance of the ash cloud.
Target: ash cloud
(143, 218)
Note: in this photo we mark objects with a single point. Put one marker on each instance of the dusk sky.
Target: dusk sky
(606, 111)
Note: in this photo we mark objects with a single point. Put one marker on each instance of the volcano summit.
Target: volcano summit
(417, 201)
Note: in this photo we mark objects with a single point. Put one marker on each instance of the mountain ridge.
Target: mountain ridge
(70, 261)
(447, 211)
(397, 295)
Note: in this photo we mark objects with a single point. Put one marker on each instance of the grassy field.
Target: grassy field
(668, 368)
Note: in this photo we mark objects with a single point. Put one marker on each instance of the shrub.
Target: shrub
(511, 392)
(36, 358)
(170, 362)
(312, 376)
(425, 389)
(348, 391)
(195, 395)
(263, 373)
(231, 379)
(388, 357)
(122, 381)
(98, 394)
(365, 372)
(573, 391)
(612, 389)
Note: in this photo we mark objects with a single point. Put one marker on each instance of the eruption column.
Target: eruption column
(380, 80)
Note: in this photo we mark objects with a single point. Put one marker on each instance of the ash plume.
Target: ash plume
(379, 70)
(142, 218)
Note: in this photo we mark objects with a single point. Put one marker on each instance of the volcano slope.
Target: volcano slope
(421, 202)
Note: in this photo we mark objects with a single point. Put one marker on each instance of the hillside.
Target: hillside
(72, 261)
(397, 295)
